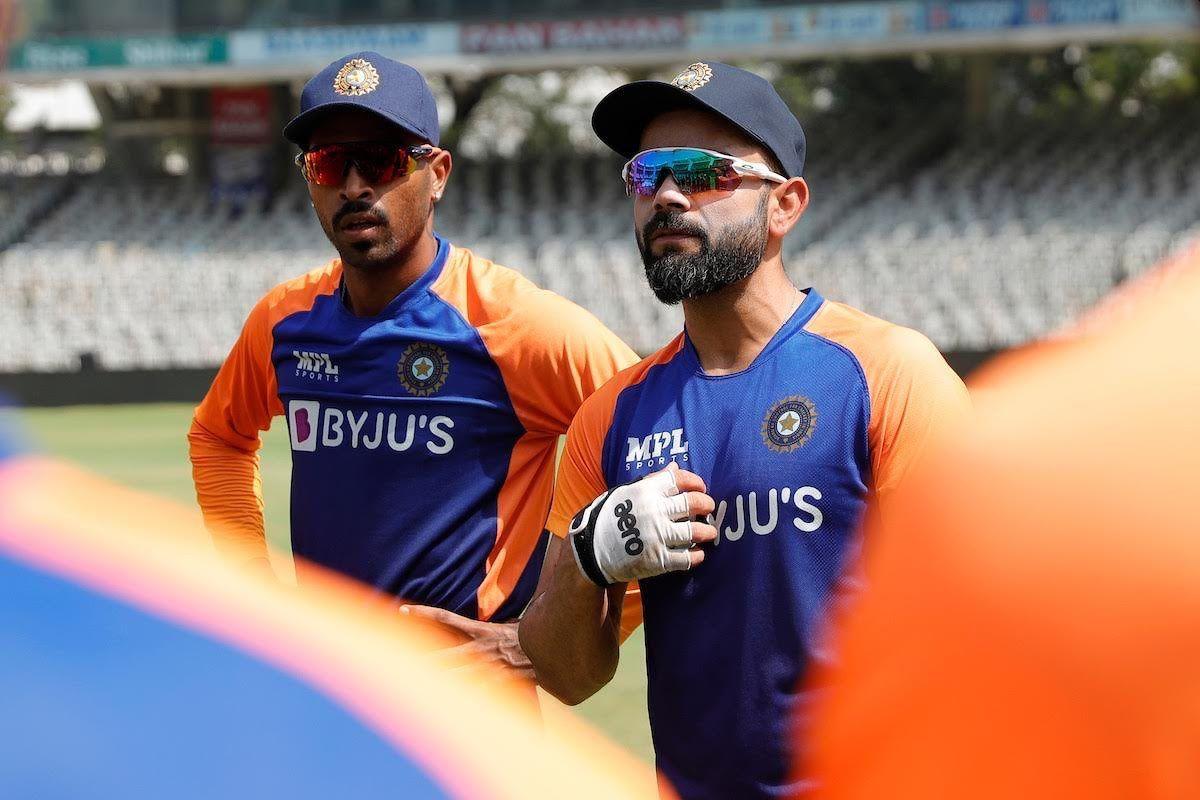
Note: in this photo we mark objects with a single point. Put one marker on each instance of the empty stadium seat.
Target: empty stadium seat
(992, 242)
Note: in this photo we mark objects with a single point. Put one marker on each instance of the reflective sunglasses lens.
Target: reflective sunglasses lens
(326, 166)
(693, 170)
(379, 163)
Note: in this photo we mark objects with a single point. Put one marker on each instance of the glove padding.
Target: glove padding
(634, 531)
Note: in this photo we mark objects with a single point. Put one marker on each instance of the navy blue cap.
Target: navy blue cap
(747, 101)
(394, 91)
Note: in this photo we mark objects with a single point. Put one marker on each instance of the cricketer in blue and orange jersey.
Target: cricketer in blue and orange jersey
(424, 387)
(776, 411)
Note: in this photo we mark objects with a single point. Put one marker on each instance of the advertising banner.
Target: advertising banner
(1160, 12)
(1071, 12)
(857, 21)
(241, 134)
(716, 28)
(980, 15)
(241, 115)
(138, 52)
(322, 45)
(616, 33)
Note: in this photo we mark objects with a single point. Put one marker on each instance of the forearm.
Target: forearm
(571, 631)
(229, 491)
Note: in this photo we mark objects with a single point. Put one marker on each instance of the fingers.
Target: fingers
(683, 534)
(674, 480)
(702, 532)
(689, 481)
(689, 504)
(442, 617)
(681, 560)
(699, 504)
(664, 479)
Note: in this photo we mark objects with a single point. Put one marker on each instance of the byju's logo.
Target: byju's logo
(746, 513)
(656, 449)
(315, 366)
(304, 416)
(311, 424)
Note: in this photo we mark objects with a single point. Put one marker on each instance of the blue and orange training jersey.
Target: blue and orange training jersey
(836, 407)
(423, 439)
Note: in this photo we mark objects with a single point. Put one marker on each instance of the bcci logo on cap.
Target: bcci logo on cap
(692, 78)
(423, 369)
(356, 78)
(789, 424)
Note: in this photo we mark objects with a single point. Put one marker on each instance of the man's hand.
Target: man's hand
(644, 528)
(491, 645)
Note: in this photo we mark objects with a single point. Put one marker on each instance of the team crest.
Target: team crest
(789, 424)
(423, 369)
(692, 78)
(356, 78)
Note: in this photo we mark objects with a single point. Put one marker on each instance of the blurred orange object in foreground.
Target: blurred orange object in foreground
(112, 596)
(1032, 623)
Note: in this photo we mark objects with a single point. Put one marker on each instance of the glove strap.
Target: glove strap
(583, 534)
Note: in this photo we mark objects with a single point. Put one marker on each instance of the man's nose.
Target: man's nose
(354, 187)
(669, 195)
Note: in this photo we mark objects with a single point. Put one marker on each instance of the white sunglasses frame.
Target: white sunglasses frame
(741, 167)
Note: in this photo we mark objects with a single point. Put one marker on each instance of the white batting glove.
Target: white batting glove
(634, 531)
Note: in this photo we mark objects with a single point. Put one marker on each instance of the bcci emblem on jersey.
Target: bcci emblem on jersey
(789, 424)
(423, 369)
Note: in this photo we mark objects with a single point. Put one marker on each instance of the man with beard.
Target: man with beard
(726, 474)
(424, 387)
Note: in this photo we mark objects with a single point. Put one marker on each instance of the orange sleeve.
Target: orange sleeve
(915, 398)
(580, 481)
(229, 490)
(580, 476)
(224, 440)
(570, 358)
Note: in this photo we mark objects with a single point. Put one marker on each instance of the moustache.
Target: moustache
(672, 220)
(358, 207)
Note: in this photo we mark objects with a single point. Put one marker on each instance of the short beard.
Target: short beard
(675, 277)
(391, 248)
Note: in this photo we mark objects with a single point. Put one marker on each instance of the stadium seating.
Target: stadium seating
(981, 241)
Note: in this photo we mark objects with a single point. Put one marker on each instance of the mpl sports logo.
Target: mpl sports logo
(315, 366)
(656, 450)
(313, 425)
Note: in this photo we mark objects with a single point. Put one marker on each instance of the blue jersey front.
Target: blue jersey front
(416, 406)
(423, 438)
(786, 450)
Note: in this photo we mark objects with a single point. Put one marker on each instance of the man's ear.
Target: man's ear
(791, 199)
(440, 165)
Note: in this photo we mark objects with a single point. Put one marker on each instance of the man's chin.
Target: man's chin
(364, 255)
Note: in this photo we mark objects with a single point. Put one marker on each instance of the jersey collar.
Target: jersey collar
(418, 287)
(799, 318)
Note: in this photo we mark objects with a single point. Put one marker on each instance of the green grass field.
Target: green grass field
(143, 446)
